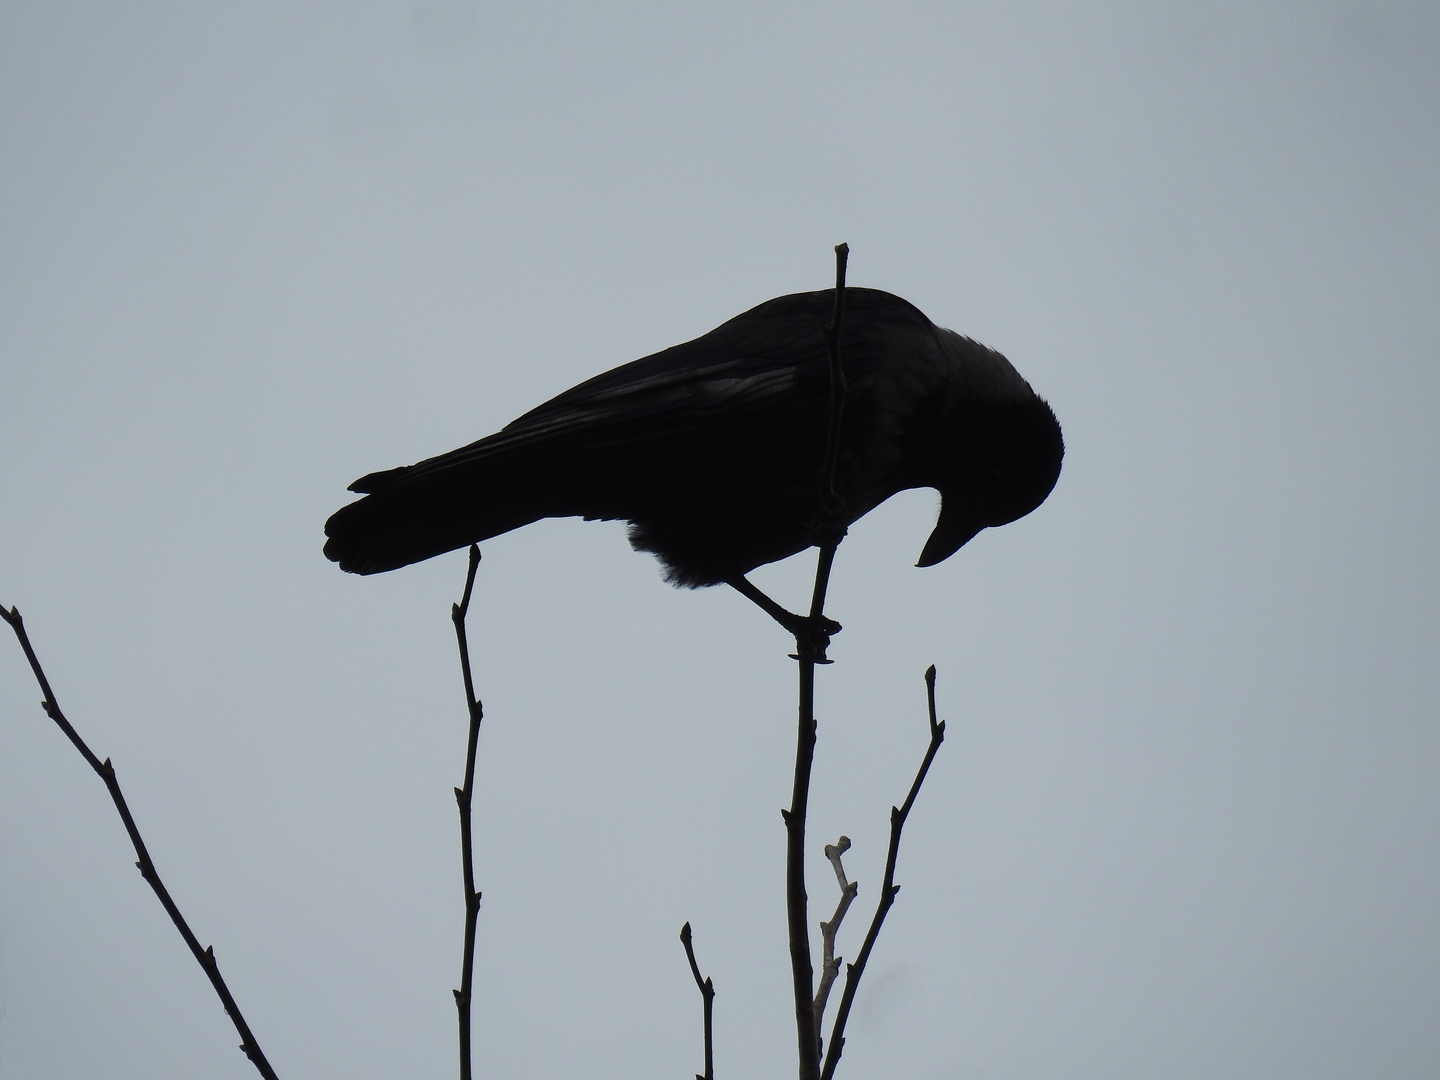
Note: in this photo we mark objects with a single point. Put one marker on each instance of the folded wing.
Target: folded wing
(598, 450)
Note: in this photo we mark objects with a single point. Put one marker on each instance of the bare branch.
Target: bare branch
(707, 996)
(463, 798)
(204, 956)
(887, 890)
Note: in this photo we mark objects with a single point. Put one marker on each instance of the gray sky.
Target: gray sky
(1185, 824)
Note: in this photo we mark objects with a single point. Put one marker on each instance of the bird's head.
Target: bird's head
(997, 461)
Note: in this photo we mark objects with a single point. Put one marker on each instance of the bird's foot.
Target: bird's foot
(812, 634)
(812, 638)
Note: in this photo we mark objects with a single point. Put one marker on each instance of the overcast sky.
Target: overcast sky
(1185, 824)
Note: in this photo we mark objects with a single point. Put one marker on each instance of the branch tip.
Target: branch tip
(707, 1000)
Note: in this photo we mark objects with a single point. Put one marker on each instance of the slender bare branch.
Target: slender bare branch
(887, 890)
(837, 374)
(205, 955)
(463, 798)
(809, 651)
(707, 996)
(830, 963)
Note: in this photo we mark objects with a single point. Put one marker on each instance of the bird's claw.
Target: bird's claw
(812, 637)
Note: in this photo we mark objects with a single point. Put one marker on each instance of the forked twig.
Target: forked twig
(204, 956)
(806, 652)
(830, 963)
(888, 890)
(463, 798)
(707, 995)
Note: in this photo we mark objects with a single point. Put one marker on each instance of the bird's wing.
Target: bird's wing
(771, 356)
(760, 360)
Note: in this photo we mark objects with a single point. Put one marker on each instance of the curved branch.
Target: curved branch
(887, 890)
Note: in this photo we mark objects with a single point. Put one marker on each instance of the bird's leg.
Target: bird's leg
(831, 521)
(812, 636)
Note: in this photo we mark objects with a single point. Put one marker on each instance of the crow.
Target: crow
(712, 450)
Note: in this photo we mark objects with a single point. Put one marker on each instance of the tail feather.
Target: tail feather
(404, 523)
(378, 481)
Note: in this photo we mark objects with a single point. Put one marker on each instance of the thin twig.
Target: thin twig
(837, 374)
(888, 890)
(204, 956)
(463, 797)
(830, 963)
(707, 995)
(809, 653)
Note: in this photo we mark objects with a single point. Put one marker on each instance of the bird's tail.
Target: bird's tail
(405, 519)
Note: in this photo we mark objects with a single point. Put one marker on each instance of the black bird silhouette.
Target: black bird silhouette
(712, 450)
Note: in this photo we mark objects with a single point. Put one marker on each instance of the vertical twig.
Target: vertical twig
(204, 956)
(810, 651)
(837, 374)
(888, 890)
(463, 797)
(707, 996)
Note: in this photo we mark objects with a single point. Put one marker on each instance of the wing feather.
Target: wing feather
(757, 361)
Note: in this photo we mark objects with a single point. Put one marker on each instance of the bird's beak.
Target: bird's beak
(952, 532)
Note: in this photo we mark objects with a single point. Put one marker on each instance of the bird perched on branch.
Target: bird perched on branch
(712, 450)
